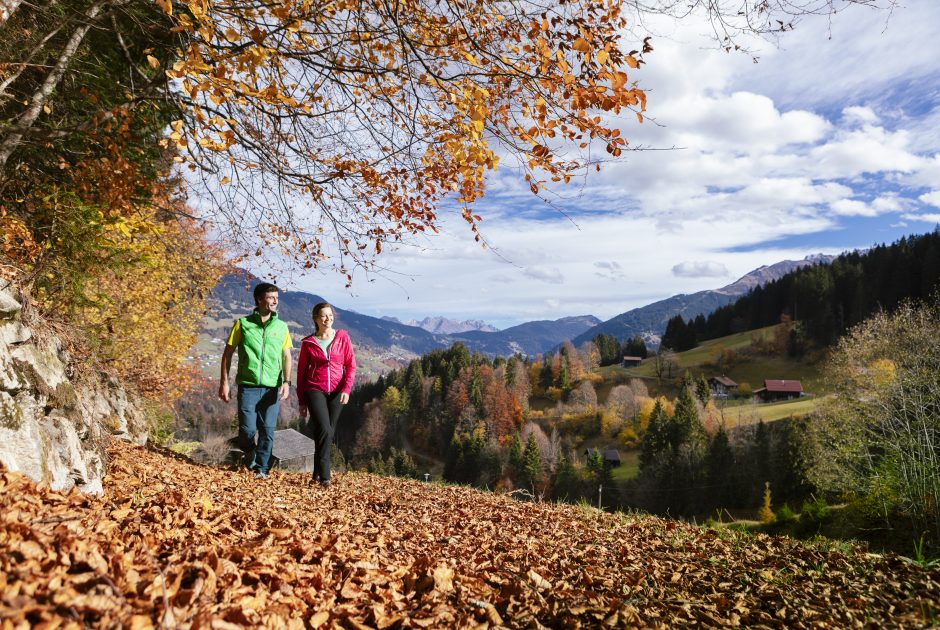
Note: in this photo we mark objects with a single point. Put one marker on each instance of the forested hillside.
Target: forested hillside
(533, 425)
(650, 320)
(824, 300)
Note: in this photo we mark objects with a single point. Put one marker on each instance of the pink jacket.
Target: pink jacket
(316, 370)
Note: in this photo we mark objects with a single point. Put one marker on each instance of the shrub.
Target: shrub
(784, 514)
(813, 514)
(766, 514)
(214, 450)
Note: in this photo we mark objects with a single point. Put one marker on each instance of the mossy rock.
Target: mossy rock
(113, 424)
(11, 416)
(64, 397)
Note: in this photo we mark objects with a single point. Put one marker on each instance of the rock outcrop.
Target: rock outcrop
(52, 424)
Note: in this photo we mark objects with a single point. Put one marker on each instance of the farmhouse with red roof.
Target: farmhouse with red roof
(779, 390)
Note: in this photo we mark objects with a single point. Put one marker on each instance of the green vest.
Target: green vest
(261, 352)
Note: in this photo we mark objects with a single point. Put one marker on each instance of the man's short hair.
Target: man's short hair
(263, 289)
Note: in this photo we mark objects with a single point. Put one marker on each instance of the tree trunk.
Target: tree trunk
(18, 129)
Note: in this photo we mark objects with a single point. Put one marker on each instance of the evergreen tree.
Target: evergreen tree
(516, 459)
(403, 464)
(546, 379)
(566, 485)
(532, 463)
(702, 391)
(686, 424)
(655, 440)
(600, 470)
(721, 470)
(564, 382)
(636, 347)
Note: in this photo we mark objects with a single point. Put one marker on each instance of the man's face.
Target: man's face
(268, 303)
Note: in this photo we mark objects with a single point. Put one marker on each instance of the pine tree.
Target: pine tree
(566, 484)
(655, 440)
(516, 459)
(686, 425)
(702, 391)
(532, 463)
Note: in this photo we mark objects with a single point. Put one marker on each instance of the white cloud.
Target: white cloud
(611, 270)
(852, 208)
(700, 269)
(926, 218)
(859, 151)
(551, 275)
(932, 198)
(859, 114)
(888, 203)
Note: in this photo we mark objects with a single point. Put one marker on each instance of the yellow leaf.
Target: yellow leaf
(444, 578)
(602, 57)
(231, 35)
(47, 109)
(581, 45)
(318, 619)
(539, 582)
(153, 61)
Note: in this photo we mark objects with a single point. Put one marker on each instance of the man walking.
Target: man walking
(263, 376)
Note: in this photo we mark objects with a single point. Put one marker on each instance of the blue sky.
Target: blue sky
(830, 142)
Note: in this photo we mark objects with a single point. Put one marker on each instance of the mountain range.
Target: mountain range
(444, 326)
(650, 321)
(385, 342)
(381, 343)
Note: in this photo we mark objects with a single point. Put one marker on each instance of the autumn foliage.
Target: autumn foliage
(110, 252)
(354, 120)
(174, 544)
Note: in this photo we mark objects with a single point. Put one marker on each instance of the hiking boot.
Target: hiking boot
(261, 475)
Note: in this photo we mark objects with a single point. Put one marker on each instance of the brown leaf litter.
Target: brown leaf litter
(180, 545)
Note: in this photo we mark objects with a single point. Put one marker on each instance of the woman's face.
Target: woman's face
(324, 319)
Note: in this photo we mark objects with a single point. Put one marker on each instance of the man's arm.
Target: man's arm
(285, 386)
(224, 389)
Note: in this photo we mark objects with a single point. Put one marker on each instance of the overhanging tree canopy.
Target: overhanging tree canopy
(336, 126)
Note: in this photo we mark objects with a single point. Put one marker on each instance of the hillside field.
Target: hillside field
(748, 413)
(747, 366)
(175, 544)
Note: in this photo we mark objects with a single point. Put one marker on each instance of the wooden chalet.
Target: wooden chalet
(722, 386)
(631, 361)
(774, 390)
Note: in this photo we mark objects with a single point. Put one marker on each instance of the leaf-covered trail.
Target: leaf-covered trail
(175, 544)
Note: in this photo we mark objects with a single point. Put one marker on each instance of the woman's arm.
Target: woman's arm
(301, 377)
(349, 365)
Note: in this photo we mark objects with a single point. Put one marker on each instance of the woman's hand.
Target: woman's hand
(343, 398)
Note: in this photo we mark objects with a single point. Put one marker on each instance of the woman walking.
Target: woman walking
(325, 372)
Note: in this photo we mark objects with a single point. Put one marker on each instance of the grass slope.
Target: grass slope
(740, 415)
(752, 368)
(175, 544)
